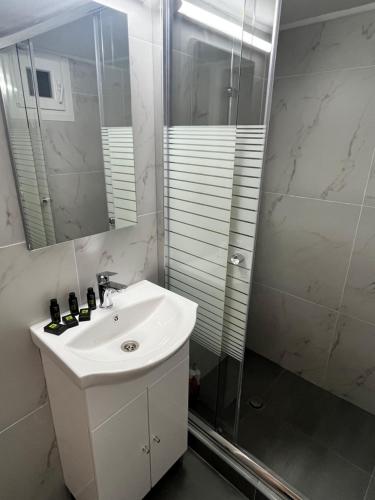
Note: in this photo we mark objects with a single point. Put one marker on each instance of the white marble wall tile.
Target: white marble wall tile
(131, 252)
(210, 104)
(157, 21)
(83, 77)
(351, 369)
(370, 191)
(359, 297)
(304, 247)
(159, 126)
(141, 80)
(79, 204)
(27, 281)
(117, 96)
(139, 16)
(322, 135)
(181, 88)
(342, 43)
(293, 333)
(11, 229)
(74, 146)
(29, 461)
(251, 102)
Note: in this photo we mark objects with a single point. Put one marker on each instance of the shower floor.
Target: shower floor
(319, 443)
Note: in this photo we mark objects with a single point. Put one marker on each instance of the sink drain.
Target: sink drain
(130, 346)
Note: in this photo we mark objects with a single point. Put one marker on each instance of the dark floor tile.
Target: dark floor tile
(349, 430)
(333, 422)
(311, 468)
(370, 493)
(259, 496)
(259, 375)
(194, 479)
(296, 401)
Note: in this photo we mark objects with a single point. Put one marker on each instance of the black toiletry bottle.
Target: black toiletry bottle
(91, 299)
(73, 303)
(55, 311)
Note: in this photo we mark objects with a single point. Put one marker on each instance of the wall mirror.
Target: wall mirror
(66, 99)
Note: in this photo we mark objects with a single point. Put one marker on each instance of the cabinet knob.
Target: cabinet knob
(146, 449)
(156, 439)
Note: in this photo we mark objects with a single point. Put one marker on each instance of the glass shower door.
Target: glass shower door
(218, 67)
(200, 143)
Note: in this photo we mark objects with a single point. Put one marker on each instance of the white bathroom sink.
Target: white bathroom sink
(146, 325)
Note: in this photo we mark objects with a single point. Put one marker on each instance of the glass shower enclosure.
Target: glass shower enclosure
(219, 59)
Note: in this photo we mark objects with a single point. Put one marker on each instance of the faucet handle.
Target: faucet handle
(104, 276)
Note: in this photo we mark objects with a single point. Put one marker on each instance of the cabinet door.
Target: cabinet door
(168, 415)
(122, 463)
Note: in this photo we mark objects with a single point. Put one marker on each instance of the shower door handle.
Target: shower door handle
(236, 259)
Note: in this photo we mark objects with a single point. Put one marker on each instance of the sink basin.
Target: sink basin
(146, 325)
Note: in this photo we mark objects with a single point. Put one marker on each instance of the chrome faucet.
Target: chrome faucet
(107, 288)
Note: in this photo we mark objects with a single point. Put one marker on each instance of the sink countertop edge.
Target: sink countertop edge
(83, 373)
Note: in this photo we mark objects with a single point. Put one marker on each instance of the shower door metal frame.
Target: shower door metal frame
(254, 472)
(249, 467)
(267, 116)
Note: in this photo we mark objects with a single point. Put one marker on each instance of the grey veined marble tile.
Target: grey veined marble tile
(351, 369)
(322, 135)
(293, 333)
(29, 460)
(181, 88)
(141, 75)
(131, 252)
(370, 191)
(27, 281)
(74, 146)
(359, 297)
(83, 77)
(79, 204)
(304, 246)
(345, 42)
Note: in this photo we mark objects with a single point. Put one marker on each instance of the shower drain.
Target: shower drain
(256, 402)
(130, 346)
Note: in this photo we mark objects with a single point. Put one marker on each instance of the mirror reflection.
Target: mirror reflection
(67, 101)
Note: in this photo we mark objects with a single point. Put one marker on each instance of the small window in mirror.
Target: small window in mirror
(44, 83)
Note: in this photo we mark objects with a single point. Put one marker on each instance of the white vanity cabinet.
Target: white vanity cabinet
(168, 413)
(116, 441)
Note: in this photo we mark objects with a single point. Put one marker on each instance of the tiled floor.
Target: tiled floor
(193, 479)
(321, 444)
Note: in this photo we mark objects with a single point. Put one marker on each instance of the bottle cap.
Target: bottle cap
(53, 302)
(90, 289)
(72, 294)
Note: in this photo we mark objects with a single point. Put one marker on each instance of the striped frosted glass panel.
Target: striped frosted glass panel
(199, 164)
(23, 159)
(41, 175)
(119, 172)
(250, 143)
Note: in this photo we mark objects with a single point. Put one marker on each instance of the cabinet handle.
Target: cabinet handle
(156, 439)
(146, 449)
(236, 259)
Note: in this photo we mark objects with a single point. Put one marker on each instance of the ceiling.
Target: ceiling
(296, 10)
(16, 15)
(292, 10)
